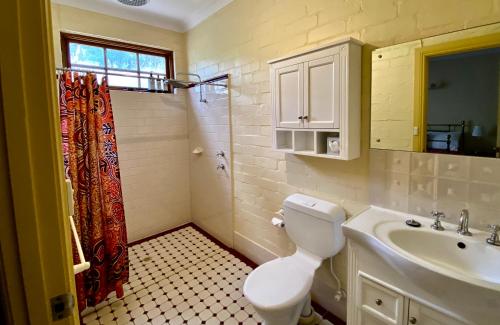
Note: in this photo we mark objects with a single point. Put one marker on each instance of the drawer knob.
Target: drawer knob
(378, 302)
(413, 320)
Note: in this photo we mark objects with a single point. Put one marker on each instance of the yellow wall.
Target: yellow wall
(241, 37)
(71, 19)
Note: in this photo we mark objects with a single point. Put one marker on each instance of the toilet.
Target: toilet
(279, 290)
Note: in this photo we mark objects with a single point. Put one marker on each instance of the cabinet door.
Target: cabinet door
(368, 319)
(377, 304)
(289, 96)
(423, 315)
(322, 92)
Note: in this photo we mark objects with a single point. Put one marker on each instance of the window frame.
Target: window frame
(67, 38)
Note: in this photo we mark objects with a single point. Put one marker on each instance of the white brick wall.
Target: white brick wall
(243, 36)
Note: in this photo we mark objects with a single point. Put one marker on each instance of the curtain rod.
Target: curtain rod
(196, 83)
(110, 73)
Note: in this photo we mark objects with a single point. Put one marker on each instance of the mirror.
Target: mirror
(439, 94)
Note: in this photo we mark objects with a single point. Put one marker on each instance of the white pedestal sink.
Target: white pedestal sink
(456, 275)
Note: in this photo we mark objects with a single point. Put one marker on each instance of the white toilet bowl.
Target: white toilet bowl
(279, 289)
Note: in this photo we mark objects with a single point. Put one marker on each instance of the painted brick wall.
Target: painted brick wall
(242, 37)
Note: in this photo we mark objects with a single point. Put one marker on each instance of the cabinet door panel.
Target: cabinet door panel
(289, 96)
(322, 91)
(423, 315)
(367, 319)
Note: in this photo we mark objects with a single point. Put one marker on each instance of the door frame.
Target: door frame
(31, 178)
(422, 56)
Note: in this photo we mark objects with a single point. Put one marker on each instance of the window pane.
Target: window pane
(146, 78)
(86, 55)
(122, 81)
(152, 63)
(121, 59)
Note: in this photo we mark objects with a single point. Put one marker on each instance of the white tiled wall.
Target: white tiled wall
(211, 189)
(151, 132)
(421, 182)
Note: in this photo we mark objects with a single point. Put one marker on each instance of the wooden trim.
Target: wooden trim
(37, 189)
(422, 56)
(163, 233)
(245, 259)
(242, 257)
(67, 38)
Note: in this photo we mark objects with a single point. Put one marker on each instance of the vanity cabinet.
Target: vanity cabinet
(316, 100)
(374, 298)
(378, 305)
(423, 315)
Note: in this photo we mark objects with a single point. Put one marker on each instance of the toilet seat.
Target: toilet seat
(280, 283)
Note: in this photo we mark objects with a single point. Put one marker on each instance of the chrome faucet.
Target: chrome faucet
(437, 221)
(494, 239)
(463, 224)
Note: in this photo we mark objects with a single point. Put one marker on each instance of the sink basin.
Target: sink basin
(467, 259)
(463, 258)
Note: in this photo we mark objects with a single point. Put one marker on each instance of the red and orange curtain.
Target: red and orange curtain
(91, 162)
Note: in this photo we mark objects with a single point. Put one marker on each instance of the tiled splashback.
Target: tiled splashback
(421, 182)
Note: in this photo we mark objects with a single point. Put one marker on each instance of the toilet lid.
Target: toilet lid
(277, 284)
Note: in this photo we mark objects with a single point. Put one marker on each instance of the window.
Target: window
(127, 66)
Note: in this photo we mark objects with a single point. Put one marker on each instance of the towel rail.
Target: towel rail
(83, 265)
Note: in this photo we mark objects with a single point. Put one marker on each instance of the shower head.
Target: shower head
(180, 84)
(134, 3)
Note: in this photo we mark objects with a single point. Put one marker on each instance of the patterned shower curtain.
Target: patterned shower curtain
(91, 162)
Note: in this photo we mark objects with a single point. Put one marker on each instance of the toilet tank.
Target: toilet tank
(314, 225)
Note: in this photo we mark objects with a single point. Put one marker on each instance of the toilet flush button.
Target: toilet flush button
(309, 203)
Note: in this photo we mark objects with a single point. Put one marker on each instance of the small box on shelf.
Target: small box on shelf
(328, 143)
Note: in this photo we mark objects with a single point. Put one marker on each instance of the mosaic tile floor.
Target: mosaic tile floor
(180, 278)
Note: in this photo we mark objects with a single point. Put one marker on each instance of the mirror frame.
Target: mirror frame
(422, 56)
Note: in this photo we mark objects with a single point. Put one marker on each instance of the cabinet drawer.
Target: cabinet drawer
(379, 301)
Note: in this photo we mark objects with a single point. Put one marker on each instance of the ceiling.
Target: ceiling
(177, 15)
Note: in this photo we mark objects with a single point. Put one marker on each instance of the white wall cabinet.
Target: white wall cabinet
(316, 95)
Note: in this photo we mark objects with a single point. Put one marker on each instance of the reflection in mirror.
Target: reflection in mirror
(439, 94)
(463, 103)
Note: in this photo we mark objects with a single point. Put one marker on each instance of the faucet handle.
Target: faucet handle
(493, 239)
(437, 215)
(494, 228)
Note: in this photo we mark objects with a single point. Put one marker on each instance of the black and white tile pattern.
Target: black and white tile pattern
(179, 278)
